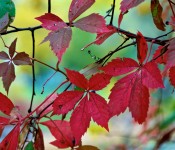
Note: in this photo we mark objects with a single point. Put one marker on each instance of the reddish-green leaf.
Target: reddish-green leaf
(4, 55)
(10, 142)
(4, 67)
(66, 101)
(4, 21)
(77, 7)
(151, 76)
(51, 22)
(59, 41)
(120, 66)
(12, 48)
(93, 23)
(99, 81)
(172, 75)
(142, 47)
(98, 109)
(8, 75)
(62, 132)
(156, 10)
(77, 78)
(6, 104)
(39, 140)
(22, 59)
(80, 120)
(126, 5)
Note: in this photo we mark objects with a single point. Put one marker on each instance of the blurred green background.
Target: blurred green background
(123, 132)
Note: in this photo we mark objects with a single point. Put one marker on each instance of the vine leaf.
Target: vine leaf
(126, 5)
(77, 7)
(89, 104)
(39, 140)
(163, 56)
(10, 142)
(61, 130)
(130, 92)
(172, 21)
(7, 71)
(171, 75)
(93, 23)
(59, 41)
(51, 22)
(156, 10)
(4, 22)
(6, 104)
(170, 54)
(120, 66)
(102, 36)
(142, 47)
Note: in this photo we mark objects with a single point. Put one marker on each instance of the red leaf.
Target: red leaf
(3, 122)
(39, 140)
(99, 110)
(77, 7)
(120, 18)
(8, 75)
(163, 56)
(99, 81)
(77, 78)
(172, 75)
(151, 76)
(139, 100)
(22, 59)
(93, 23)
(102, 36)
(80, 119)
(120, 66)
(51, 22)
(12, 48)
(59, 41)
(172, 21)
(6, 104)
(126, 5)
(62, 132)
(170, 54)
(4, 55)
(66, 101)
(142, 47)
(130, 92)
(156, 10)
(10, 142)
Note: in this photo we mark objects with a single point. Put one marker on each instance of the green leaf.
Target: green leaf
(156, 10)
(167, 121)
(29, 146)
(7, 6)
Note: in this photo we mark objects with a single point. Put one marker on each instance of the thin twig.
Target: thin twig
(113, 10)
(49, 6)
(33, 70)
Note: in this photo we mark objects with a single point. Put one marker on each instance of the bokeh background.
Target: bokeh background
(124, 132)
